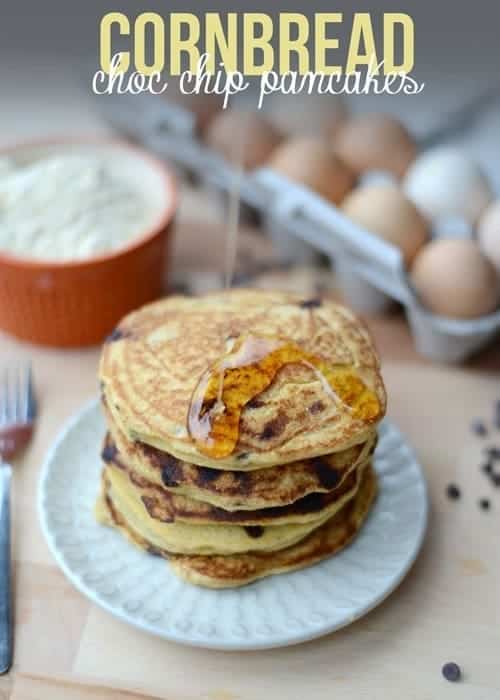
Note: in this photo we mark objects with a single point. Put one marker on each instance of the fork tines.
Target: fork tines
(17, 396)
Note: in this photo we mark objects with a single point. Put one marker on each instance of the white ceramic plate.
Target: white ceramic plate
(280, 610)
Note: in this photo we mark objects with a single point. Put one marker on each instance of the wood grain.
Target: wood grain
(58, 688)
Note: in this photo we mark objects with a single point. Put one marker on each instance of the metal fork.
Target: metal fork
(17, 416)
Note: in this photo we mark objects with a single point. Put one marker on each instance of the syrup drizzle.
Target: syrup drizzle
(246, 371)
(231, 249)
(233, 208)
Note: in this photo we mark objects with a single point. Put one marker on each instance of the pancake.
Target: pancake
(221, 538)
(236, 490)
(171, 507)
(154, 362)
(237, 570)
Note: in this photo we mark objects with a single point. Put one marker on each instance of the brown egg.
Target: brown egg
(453, 278)
(384, 210)
(375, 142)
(311, 162)
(243, 137)
(306, 115)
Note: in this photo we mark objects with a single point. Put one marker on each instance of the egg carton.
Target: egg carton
(370, 271)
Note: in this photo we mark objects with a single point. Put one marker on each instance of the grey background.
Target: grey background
(450, 35)
(49, 50)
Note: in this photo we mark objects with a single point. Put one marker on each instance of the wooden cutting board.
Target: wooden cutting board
(447, 609)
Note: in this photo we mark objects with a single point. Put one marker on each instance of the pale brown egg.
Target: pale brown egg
(306, 115)
(245, 138)
(489, 233)
(453, 278)
(375, 142)
(312, 163)
(384, 210)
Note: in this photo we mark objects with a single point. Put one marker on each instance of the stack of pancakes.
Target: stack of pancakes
(285, 483)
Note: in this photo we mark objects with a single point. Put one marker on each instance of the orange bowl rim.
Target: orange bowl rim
(152, 231)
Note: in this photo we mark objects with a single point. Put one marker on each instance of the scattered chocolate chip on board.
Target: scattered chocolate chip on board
(451, 671)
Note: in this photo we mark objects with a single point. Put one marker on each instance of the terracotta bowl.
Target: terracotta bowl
(78, 302)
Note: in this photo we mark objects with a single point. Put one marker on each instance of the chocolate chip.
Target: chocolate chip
(274, 427)
(171, 470)
(254, 530)
(479, 428)
(310, 303)
(316, 407)
(207, 475)
(255, 403)
(487, 468)
(451, 671)
(311, 503)
(453, 492)
(267, 433)
(109, 453)
(493, 453)
(328, 477)
(495, 478)
(116, 334)
(484, 504)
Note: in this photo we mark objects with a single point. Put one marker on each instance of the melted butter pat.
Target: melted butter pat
(246, 371)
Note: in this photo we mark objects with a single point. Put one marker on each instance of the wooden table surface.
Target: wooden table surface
(448, 607)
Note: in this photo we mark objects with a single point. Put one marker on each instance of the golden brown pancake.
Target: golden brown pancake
(154, 361)
(240, 569)
(236, 490)
(215, 538)
(170, 507)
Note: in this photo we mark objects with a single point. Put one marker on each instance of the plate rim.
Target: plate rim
(288, 639)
